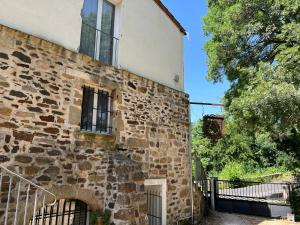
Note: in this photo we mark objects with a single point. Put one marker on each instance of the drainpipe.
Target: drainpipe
(191, 161)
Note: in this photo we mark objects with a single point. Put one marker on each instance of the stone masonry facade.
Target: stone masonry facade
(40, 138)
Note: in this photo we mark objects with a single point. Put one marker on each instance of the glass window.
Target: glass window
(107, 34)
(95, 115)
(97, 34)
(89, 25)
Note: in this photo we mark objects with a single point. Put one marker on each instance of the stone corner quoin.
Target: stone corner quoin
(40, 111)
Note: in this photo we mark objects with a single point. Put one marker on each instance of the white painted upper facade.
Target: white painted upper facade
(147, 41)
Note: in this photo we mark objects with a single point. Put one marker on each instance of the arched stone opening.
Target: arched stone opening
(72, 207)
(75, 192)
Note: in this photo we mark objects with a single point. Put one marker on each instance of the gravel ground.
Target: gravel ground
(217, 218)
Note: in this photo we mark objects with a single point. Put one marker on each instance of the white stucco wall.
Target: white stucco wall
(58, 21)
(150, 43)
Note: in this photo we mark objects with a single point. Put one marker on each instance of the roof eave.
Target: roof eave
(171, 16)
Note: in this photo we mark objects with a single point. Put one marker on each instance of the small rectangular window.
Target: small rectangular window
(96, 105)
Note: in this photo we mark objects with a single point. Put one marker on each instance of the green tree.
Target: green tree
(255, 44)
(238, 152)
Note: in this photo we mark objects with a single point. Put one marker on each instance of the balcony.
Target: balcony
(99, 45)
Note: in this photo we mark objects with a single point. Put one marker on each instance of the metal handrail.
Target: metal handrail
(12, 175)
(101, 31)
(31, 183)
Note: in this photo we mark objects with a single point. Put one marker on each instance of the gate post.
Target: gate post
(287, 191)
(198, 169)
(213, 189)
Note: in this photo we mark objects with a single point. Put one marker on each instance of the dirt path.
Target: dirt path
(217, 218)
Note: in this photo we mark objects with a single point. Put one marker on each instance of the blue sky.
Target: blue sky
(189, 13)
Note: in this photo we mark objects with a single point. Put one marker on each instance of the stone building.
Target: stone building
(76, 122)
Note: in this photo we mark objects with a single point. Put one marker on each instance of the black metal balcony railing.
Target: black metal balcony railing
(99, 45)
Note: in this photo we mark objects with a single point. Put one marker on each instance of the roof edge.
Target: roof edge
(171, 16)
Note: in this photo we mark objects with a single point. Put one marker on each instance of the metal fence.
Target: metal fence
(253, 191)
(154, 206)
(252, 198)
(205, 185)
(20, 198)
(247, 190)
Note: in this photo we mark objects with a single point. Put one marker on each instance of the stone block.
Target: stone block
(123, 200)
(85, 166)
(21, 56)
(137, 143)
(43, 160)
(31, 170)
(4, 158)
(51, 130)
(74, 115)
(5, 111)
(43, 178)
(184, 193)
(23, 136)
(8, 125)
(127, 187)
(23, 159)
(124, 214)
(36, 150)
(52, 170)
(49, 118)
(49, 101)
(24, 114)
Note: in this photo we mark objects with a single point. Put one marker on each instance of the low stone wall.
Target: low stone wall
(40, 138)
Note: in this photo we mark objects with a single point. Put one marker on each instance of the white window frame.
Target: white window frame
(162, 183)
(95, 106)
(116, 31)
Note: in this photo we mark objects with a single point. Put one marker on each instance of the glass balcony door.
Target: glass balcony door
(97, 34)
(107, 32)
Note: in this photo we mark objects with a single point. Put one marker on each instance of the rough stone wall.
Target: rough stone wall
(40, 109)
(200, 207)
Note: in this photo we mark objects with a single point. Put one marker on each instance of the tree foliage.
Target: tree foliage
(255, 44)
(237, 149)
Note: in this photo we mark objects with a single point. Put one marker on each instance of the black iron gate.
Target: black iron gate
(154, 206)
(246, 197)
(64, 212)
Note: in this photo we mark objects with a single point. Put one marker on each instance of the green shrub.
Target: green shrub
(232, 171)
(97, 214)
(106, 217)
(235, 171)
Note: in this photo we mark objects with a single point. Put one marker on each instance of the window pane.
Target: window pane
(107, 32)
(87, 109)
(102, 111)
(89, 24)
(89, 12)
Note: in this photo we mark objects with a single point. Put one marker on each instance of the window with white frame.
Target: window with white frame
(98, 31)
(96, 111)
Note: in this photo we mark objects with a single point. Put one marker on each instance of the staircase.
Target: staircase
(21, 199)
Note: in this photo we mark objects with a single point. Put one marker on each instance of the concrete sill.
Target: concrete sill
(85, 135)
